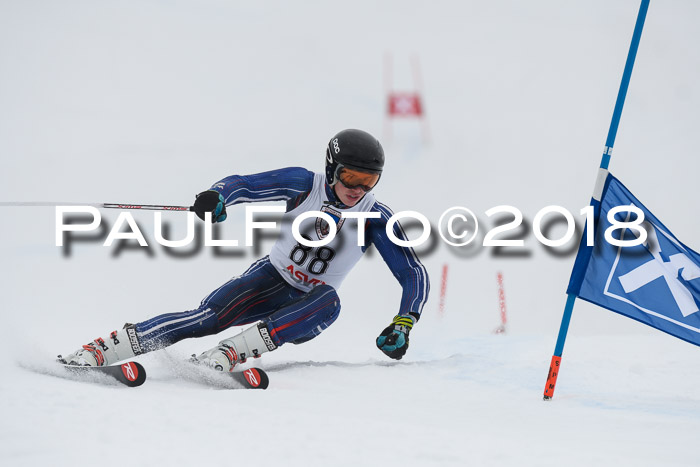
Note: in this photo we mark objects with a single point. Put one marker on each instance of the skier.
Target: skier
(291, 293)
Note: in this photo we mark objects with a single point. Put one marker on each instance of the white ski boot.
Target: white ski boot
(252, 342)
(121, 345)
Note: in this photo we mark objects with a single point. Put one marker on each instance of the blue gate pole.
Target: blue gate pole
(595, 201)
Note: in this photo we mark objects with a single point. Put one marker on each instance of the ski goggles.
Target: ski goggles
(352, 178)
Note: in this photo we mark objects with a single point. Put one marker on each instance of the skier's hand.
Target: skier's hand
(393, 340)
(210, 201)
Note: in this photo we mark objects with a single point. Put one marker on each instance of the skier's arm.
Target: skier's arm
(275, 185)
(412, 276)
(403, 263)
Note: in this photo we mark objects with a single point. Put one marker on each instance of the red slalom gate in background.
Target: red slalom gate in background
(501, 329)
(443, 291)
(404, 104)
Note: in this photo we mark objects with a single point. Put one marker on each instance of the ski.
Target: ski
(251, 378)
(131, 374)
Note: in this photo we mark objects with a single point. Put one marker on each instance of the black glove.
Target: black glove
(393, 340)
(210, 201)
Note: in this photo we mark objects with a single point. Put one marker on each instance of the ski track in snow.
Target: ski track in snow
(483, 407)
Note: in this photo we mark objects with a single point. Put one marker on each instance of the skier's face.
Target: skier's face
(348, 196)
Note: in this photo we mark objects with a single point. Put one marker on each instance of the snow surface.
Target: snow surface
(153, 101)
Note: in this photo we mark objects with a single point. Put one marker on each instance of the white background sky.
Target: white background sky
(152, 102)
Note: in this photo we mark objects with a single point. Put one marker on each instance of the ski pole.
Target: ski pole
(145, 207)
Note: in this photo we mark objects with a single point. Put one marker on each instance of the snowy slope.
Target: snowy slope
(151, 102)
(480, 405)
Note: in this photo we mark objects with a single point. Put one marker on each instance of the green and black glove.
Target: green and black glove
(210, 201)
(393, 340)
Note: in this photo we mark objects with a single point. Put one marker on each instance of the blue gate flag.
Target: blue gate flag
(656, 283)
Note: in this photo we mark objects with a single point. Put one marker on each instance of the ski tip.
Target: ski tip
(252, 378)
(134, 374)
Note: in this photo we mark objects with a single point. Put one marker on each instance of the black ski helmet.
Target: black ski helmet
(355, 149)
